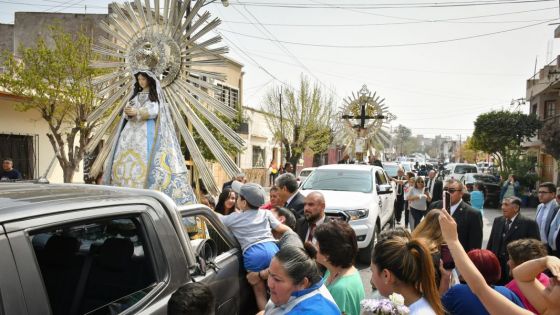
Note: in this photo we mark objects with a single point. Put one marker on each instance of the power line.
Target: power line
(285, 49)
(390, 45)
(385, 5)
(447, 20)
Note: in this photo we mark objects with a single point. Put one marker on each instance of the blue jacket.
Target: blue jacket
(516, 187)
(314, 300)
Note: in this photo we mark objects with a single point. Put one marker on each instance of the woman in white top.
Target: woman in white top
(405, 266)
(418, 199)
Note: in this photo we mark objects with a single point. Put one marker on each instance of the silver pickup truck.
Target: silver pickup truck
(84, 249)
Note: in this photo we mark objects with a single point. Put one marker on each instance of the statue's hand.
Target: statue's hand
(130, 112)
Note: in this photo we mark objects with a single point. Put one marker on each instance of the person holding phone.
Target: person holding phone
(417, 200)
(469, 220)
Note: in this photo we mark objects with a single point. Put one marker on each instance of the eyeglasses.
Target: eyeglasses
(545, 192)
(451, 190)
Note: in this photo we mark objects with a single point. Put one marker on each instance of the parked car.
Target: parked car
(408, 167)
(458, 170)
(391, 168)
(76, 249)
(490, 187)
(362, 193)
(304, 173)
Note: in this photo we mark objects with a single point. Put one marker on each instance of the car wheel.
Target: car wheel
(364, 255)
(392, 220)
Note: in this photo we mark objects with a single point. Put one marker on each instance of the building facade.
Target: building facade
(25, 132)
(542, 93)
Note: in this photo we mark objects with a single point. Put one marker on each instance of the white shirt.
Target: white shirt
(421, 307)
(454, 207)
(431, 185)
(319, 222)
(290, 199)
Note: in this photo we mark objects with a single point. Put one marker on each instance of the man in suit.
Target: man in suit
(507, 228)
(288, 190)
(313, 216)
(400, 181)
(554, 232)
(434, 186)
(469, 220)
(546, 211)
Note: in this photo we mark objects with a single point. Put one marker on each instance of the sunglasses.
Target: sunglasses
(451, 190)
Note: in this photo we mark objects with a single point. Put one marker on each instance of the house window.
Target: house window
(549, 109)
(228, 95)
(258, 156)
(534, 110)
(22, 149)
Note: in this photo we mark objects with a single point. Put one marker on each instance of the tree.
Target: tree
(402, 135)
(551, 139)
(307, 115)
(501, 133)
(56, 82)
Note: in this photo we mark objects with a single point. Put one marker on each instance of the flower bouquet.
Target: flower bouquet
(392, 306)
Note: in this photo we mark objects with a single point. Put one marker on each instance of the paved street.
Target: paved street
(489, 215)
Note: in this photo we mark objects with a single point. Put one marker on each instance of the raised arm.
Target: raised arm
(494, 302)
(526, 275)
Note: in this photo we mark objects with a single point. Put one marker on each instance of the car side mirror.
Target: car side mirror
(205, 253)
(384, 189)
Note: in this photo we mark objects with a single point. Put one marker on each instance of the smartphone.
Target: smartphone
(446, 199)
(446, 257)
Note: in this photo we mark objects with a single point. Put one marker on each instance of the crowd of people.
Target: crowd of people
(434, 260)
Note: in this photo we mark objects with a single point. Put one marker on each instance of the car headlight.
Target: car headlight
(357, 214)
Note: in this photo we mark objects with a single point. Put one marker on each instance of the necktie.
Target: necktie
(311, 230)
(508, 226)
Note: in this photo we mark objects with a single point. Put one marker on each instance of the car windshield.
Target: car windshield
(340, 180)
(406, 167)
(463, 169)
(391, 170)
(486, 178)
(305, 172)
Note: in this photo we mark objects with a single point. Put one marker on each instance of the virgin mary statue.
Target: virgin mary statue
(146, 152)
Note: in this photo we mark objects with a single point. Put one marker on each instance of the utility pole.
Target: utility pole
(281, 129)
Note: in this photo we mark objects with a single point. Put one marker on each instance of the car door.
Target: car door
(383, 197)
(12, 301)
(224, 272)
(105, 260)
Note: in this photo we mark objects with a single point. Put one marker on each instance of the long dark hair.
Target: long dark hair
(151, 83)
(220, 206)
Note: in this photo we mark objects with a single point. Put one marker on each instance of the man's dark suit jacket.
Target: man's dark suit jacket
(469, 224)
(438, 190)
(301, 228)
(296, 205)
(522, 227)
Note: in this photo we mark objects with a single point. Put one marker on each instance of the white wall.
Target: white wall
(31, 123)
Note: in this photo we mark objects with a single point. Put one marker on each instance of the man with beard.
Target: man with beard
(313, 216)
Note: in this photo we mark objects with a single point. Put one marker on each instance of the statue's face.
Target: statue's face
(143, 82)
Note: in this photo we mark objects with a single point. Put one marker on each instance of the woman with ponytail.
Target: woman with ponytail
(403, 266)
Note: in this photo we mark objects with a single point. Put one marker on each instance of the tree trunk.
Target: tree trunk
(294, 160)
(68, 173)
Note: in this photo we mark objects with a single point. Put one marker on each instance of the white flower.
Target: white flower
(397, 299)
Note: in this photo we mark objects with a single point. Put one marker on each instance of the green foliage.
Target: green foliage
(224, 142)
(307, 115)
(403, 140)
(55, 79)
(500, 133)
